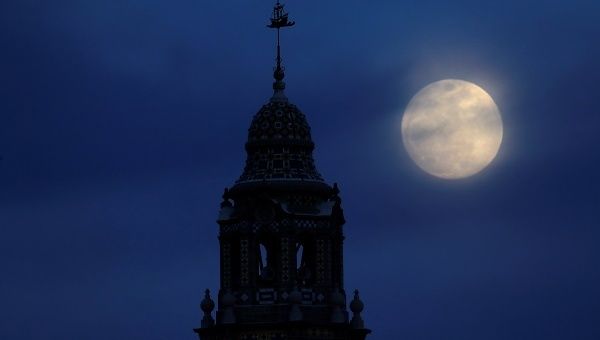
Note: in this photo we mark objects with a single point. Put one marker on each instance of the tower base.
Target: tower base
(282, 331)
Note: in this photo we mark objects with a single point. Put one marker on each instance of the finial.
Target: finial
(207, 305)
(337, 212)
(335, 190)
(279, 20)
(226, 202)
(357, 306)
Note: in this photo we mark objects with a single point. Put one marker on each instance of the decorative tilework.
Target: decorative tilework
(320, 261)
(285, 260)
(244, 277)
(226, 260)
(279, 145)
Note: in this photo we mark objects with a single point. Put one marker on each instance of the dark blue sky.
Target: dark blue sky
(121, 122)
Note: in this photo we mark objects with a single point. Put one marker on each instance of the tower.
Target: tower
(281, 237)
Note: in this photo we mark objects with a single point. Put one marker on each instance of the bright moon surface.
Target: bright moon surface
(452, 129)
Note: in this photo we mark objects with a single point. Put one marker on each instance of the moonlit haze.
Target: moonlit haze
(452, 129)
(122, 121)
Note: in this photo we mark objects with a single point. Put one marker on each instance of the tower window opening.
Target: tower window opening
(299, 254)
(303, 270)
(264, 270)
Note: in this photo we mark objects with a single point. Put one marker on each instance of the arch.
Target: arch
(303, 264)
(299, 255)
(264, 262)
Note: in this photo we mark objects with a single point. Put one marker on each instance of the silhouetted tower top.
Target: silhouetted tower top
(279, 142)
(281, 236)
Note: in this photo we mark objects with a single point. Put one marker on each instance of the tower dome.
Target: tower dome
(279, 143)
(279, 123)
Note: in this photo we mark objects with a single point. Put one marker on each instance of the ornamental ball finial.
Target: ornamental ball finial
(356, 306)
(207, 305)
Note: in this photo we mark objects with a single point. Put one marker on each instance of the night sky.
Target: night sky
(121, 122)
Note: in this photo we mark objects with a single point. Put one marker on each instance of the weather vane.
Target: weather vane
(279, 20)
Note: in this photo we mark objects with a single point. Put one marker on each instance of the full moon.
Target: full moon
(452, 129)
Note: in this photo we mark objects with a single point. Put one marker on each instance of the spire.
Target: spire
(279, 20)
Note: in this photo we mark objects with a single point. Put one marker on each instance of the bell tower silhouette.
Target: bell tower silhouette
(281, 237)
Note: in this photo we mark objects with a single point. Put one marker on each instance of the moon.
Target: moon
(452, 129)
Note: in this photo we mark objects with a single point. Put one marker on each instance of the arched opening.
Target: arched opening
(303, 265)
(264, 269)
(299, 255)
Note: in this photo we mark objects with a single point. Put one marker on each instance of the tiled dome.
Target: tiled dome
(279, 123)
(279, 145)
